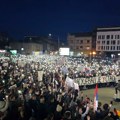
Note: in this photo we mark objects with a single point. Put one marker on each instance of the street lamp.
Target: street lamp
(22, 49)
(92, 54)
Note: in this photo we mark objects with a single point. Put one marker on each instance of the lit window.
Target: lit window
(88, 47)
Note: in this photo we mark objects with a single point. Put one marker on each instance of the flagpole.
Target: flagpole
(96, 98)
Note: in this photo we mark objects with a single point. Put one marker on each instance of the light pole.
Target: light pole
(92, 54)
(55, 37)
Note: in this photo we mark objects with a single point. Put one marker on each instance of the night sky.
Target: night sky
(58, 17)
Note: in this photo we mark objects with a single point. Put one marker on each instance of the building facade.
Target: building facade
(26, 48)
(80, 43)
(34, 44)
(4, 40)
(108, 41)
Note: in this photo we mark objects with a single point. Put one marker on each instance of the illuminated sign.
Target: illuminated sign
(64, 51)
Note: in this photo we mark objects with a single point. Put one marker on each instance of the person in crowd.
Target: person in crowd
(117, 87)
(27, 95)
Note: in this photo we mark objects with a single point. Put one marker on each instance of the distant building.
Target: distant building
(32, 44)
(4, 40)
(80, 43)
(108, 41)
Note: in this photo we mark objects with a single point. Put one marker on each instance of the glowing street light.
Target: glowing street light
(22, 49)
(94, 53)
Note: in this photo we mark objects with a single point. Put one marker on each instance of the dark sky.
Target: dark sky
(58, 17)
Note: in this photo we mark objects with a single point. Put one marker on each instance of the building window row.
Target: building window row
(112, 42)
(79, 41)
(79, 47)
(108, 47)
(118, 47)
(108, 36)
(85, 41)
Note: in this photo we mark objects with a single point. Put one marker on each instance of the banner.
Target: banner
(69, 82)
(98, 79)
(76, 86)
(40, 75)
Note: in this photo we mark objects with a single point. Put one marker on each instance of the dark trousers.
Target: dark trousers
(116, 90)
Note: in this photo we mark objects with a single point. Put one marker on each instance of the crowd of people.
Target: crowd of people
(27, 95)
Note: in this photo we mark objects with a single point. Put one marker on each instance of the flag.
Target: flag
(96, 98)
(118, 113)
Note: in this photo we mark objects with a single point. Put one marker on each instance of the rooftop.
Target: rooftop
(108, 28)
(85, 34)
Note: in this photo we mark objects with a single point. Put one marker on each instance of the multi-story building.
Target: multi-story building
(80, 43)
(32, 44)
(108, 41)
